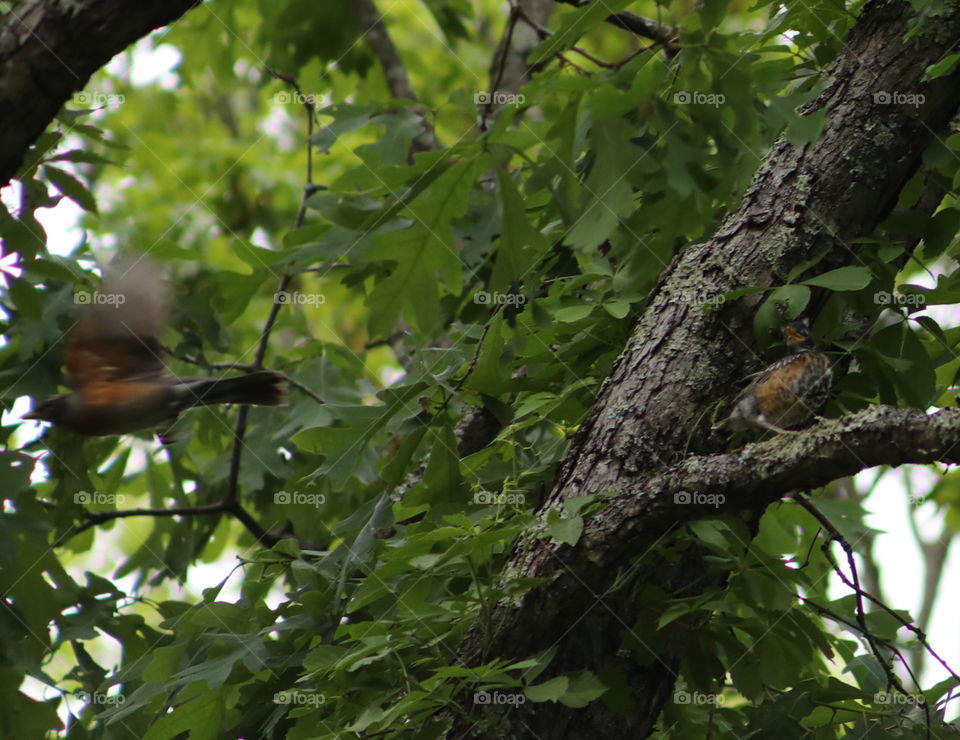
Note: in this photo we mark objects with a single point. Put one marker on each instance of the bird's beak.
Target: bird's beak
(794, 337)
(33, 415)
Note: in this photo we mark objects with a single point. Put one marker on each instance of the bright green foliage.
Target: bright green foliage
(509, 266)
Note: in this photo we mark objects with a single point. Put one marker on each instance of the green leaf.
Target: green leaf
(918, 384)
(199, 714)
(396, 466)
(712, 532)
(164, 662)
(442, 480)
(422, 253)
(617, 308)
(843, 278)
(806, 129)
(343, 443)
(564, 529)
(607, 195)
(391, 148)
(572, 314)
(806, 265)
(551, 690)
(942, 68)
(583, 689)
(346, 118)
(940, 232)
(520, 246)
(71, 187)
(491, 373)
(794, 297)
(573, 25)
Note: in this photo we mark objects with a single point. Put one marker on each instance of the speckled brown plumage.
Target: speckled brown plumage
(787, 393)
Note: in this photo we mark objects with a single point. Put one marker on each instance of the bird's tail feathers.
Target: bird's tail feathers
(260, 388)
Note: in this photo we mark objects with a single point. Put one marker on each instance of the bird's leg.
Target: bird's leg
(766, 425)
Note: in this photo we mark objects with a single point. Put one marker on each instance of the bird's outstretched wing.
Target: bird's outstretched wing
(116, 335)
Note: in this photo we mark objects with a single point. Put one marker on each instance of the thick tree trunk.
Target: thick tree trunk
(649, 416)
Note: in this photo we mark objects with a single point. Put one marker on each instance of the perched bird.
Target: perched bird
(114, 360)
(788, 392)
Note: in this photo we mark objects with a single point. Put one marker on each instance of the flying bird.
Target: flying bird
(114, 360)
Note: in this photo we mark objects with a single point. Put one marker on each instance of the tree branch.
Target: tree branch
(762, 472)
(638, 25)
(394, 69)
(267, 538)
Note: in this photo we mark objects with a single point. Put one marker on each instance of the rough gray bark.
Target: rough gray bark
(649, 415)
(49, 49)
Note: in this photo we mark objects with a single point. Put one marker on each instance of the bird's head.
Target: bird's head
(54, 410)
(797, 334)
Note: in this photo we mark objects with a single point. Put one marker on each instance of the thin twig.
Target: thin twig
(265, 537)
(638, 25)
(501, 65)
(853, 582)
(232, 496)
